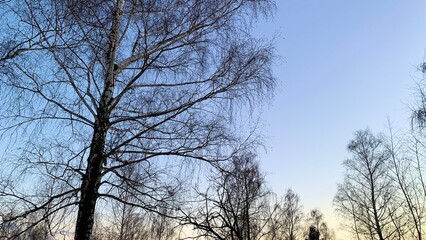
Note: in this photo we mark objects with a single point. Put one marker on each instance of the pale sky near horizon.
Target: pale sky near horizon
(347, 65)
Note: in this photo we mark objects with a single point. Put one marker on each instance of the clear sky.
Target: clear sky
(347, 65)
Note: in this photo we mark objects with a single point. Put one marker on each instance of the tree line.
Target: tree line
(235, 204)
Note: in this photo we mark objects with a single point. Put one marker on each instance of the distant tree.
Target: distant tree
(90, 87)
(347, 206)
(313, 233)
(315, 218)
(286, 222)
(404, 168)
(126, 221)
(326, 232)
(317, 226)
(366, 197)
(293, 214)
(26, 230)
(39, 231)
(235, 206)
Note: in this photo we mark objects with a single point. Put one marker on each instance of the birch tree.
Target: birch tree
(90, 87)
(286, 223)
(406, 169)
(366, 197)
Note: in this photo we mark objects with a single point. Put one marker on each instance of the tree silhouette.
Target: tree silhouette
(235, 206)
(366, 196)
(90, 87)
(314, 233)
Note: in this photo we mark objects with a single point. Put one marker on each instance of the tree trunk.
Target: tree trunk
(90, 186)
(92, 178)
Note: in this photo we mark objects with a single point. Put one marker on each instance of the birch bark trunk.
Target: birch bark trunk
(92, 177)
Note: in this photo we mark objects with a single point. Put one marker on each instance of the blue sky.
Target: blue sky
(347, 65)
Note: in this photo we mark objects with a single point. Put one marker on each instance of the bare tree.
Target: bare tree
(346, 205)
(125, 221)
(366, 197)
(313, 233)
(235, 205)
(90, 87)
(407, 175)
(317, 227)
(131, 223)
(31, 229)
(286, 223)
